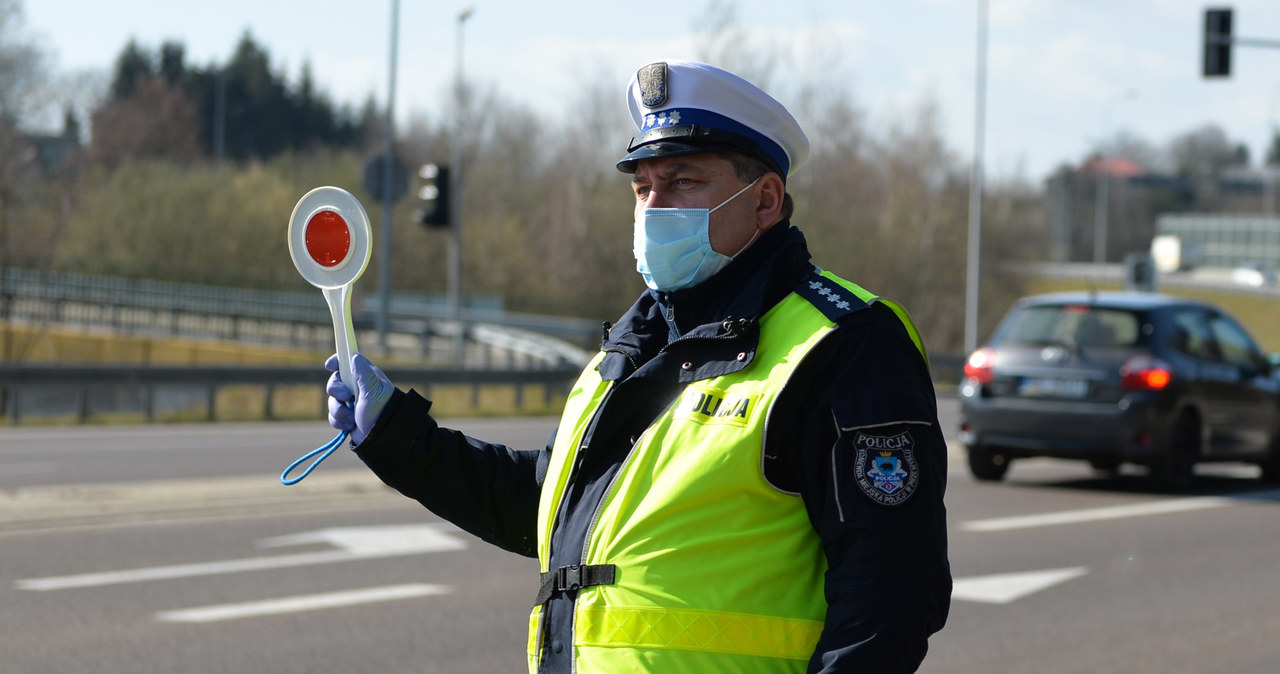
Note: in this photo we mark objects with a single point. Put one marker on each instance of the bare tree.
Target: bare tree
(723, 41)
(157, 120)
(22, 72)
(1205, 151)
(23, 69)
(590, 205)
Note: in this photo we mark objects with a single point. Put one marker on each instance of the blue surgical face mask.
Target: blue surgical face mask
(673, 246)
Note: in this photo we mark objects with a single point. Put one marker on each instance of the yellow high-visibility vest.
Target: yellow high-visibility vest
(716, 570)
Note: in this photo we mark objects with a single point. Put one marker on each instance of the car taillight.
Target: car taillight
(1145, 373)
(981, 365)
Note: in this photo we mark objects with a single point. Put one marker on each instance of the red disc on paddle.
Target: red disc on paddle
(328, 238)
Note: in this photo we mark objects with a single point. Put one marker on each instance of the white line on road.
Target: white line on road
(1098, 514)
(355, 543)
(184, 570)
(1003, 588)
(311, 602)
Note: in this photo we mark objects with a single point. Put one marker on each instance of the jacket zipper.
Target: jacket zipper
(573, 471)
(625, 354)
(608, 491)
(595, 515)
(586, 541)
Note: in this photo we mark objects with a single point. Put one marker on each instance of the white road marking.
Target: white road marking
(1003, 588)
(183, 571)
(1098, 514)
(310, 602)
(354, 542)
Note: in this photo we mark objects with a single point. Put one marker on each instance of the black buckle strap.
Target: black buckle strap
(574, 577)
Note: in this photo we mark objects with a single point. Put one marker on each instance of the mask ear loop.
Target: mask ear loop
(753, 236)
(746, 245)
(735, 195)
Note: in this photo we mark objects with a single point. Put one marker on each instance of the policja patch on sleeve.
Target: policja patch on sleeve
(886, 467)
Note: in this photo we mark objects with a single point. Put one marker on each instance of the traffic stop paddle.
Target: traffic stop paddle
(329, 242)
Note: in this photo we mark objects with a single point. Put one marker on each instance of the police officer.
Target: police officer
(749, 475)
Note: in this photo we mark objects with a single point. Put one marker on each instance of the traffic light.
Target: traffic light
(1217, 42)
(1140, 272)
(435, 196)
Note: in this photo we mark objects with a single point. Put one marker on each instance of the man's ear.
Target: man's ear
(769, 203)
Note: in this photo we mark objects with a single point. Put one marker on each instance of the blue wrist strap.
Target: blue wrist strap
(324, 451)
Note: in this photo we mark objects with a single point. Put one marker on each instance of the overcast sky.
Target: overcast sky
(1061, 73)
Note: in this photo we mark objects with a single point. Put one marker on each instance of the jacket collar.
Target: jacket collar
(712, 328)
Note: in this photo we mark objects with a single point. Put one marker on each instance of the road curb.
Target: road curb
(88, 504)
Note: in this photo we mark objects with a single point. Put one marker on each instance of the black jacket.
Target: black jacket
(888, 586)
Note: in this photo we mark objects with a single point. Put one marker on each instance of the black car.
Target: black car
(1116, 377)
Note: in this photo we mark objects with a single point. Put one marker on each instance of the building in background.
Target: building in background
(1222, 217)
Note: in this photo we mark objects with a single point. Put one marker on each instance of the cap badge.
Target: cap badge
(653, 84)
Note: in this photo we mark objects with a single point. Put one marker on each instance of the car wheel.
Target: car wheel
(1271, 465)
(988, 465)
(1175, 467)
(1105, 466)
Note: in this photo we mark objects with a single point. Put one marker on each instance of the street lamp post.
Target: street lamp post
(972, 276)
(1268, 169)
(1100, 200)
(455, 184)
(384, 249)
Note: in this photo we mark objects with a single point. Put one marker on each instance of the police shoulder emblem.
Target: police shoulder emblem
(886, 467)
(653, 84)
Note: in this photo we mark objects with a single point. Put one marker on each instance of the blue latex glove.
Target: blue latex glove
(373, 390)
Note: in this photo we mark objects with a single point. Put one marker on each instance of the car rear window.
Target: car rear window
(1073, 325)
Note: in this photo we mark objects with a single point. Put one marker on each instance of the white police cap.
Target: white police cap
(685, 107)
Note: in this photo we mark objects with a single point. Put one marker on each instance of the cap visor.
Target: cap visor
(670, 148)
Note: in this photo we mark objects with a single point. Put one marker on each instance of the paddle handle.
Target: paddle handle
(344, 333)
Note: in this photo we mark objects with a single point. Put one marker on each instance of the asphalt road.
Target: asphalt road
(175, 549)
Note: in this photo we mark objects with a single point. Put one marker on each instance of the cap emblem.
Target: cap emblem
(653, 84)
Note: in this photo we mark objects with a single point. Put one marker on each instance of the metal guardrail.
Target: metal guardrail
(140, 305)
(21, 384)
(299, 319)
(18, 383)
(60, 287)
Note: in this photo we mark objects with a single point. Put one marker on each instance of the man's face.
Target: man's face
(700, 181)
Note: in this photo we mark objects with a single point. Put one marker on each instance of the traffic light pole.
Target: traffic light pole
(1255, 42)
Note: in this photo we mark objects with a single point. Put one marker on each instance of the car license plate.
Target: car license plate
(1055, 388)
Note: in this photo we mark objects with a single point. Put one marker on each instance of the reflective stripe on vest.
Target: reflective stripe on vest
(700, 630)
